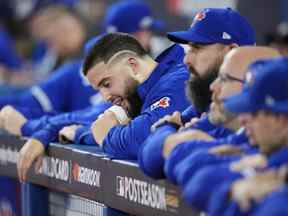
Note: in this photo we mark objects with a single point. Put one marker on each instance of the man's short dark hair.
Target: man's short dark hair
(108, 46)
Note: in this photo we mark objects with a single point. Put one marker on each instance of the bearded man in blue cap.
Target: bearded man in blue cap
(213, 33)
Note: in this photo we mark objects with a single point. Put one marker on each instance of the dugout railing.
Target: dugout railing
(81, 180)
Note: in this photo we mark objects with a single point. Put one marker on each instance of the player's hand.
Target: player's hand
(175, 118)
(256, 188)
(67, 134)
(102, 125)
(175, 139)
(12, 120)
(33, 150)
(247, 162)
(189, 124)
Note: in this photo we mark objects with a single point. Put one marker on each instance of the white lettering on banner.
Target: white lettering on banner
(141, 192)
(8, 156)
(55, 168)
(86, 175)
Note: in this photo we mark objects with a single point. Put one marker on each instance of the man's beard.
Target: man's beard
(134, 100)
(198, 89)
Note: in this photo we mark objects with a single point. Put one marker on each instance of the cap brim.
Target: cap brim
(239, 103)
(184, 37)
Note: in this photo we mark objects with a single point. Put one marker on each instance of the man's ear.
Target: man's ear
(229, 47)
(233, 45)
(134, 64)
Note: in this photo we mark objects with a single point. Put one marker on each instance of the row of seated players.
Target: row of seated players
(235, 174)
(187, 155)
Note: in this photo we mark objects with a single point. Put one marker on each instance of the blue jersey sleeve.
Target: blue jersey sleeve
(151, 151)
(150, 157)
(124, 141)
(53, 94)
(49, 96)
(216, 131)
(47, 128)
(24, 103)
(188, 114)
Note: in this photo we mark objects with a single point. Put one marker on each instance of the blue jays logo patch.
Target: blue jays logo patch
(199, 16)
(163, 102)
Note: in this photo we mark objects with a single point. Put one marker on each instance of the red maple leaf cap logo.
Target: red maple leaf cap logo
(198, 17)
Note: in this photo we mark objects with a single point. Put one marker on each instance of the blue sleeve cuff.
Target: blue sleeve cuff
(84, 136)
(34, 125)
(188, 114)
(45, 137)
(25, 129)
(79, 133)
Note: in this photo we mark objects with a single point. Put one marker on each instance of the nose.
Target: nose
(215, 86)
(188, 58)
(105, 94)
(215, 89)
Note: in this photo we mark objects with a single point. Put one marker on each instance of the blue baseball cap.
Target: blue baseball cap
(91, 42)
(130, 16)
(216, 25)
(266, 88)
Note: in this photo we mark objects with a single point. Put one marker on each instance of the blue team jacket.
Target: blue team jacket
(185, 149)
(161, 94)
(65, 91)
(218, 205)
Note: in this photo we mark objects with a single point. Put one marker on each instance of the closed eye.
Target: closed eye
(104, 83)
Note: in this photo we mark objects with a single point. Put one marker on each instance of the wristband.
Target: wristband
(120, 114)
